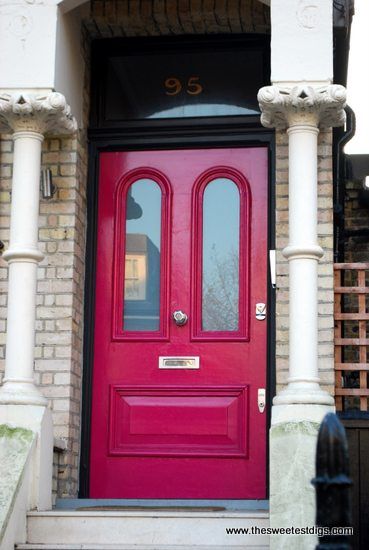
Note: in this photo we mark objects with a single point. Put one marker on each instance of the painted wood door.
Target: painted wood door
(175, 401)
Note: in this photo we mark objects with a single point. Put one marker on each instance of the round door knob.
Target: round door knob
(180, 318)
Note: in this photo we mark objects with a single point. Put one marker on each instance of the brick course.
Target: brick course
(111, 18)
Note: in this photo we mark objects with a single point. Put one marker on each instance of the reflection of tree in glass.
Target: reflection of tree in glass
(220, 291)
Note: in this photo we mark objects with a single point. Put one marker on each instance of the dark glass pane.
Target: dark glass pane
(220, 262)
(181, 84)
(142, 257)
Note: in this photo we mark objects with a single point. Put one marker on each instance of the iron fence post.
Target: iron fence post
(332, 485)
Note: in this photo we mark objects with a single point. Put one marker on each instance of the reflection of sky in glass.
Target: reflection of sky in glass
(142, 261)
(147, 194)
(221, 220)
(203, 109)
(221, 227)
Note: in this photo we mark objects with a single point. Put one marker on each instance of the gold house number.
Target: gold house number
(174, 86)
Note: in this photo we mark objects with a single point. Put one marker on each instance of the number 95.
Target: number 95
(174, 86)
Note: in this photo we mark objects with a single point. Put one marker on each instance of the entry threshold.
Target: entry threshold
(185, 505)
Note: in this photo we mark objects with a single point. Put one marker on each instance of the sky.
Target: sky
(358, 78)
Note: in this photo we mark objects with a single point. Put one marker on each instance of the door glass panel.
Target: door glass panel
(142, 257)
(220, 256)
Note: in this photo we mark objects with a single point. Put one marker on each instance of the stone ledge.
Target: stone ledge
(15, 446)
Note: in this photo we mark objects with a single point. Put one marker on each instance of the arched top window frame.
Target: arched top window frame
(197, 333)
(118, 333)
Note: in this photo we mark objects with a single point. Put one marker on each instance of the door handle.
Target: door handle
(180, 318)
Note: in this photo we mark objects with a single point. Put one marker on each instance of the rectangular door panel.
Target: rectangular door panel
(178, 422)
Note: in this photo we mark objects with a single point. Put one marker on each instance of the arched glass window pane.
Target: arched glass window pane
(141, 310)
(220, 256)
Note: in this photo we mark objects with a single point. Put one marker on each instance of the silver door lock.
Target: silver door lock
(260, 311)
(180, 318)
(261, 399)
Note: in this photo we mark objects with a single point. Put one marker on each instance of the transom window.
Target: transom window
(176, 81)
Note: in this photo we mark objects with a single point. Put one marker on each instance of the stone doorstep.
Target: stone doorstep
(143, 530)
(128, 547)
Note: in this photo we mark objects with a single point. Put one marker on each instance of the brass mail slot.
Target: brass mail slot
(179, 362)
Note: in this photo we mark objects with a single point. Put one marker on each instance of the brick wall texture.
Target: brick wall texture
(111, 18)
(58, 365)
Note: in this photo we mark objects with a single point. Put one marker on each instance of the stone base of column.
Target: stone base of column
(303, 392)
(38, 419)
(293, 436)
(21, 392)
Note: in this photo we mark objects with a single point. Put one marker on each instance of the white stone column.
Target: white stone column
(299, 408)
(303, 254)
(302, 109)
(28, 117)
(23, 257)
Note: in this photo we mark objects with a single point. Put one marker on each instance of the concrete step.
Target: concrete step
(125, 547)
(144, 530)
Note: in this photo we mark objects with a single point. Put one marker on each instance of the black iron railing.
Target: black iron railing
(332, 485)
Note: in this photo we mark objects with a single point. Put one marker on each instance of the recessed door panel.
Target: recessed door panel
(179, 355)
(187, 422)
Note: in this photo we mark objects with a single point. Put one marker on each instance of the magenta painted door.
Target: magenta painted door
(175, 401)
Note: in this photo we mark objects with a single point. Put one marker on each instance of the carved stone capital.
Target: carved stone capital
(302, 105)
(36, 113)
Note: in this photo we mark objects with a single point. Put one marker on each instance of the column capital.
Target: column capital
(302, 105)
(41, 113)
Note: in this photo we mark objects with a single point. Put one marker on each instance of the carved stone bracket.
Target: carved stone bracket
(38, 113)
(285, 107)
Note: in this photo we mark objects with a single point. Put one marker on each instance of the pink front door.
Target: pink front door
(175, 401)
